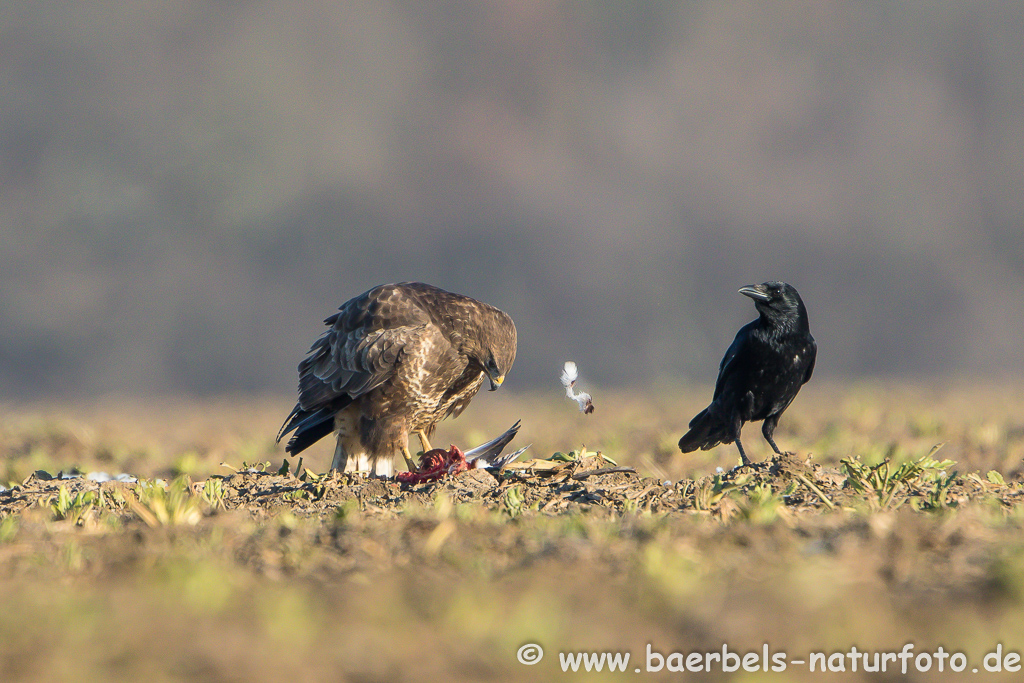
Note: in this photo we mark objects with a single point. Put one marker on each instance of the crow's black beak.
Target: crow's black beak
(755, 292)
(496, 381)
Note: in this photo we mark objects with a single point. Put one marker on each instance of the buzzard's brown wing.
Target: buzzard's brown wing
(358, 354)
(409, 353)
(349, 365)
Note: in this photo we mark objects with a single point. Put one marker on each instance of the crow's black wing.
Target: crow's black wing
(731, 361)
(810, 366)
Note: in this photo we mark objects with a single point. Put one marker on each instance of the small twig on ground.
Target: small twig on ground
(604, 470)
(821, 494)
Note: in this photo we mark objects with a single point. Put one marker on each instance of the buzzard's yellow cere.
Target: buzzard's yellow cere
(396, 361)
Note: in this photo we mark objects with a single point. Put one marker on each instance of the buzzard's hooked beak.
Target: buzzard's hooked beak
(755, 292)
(496, 381)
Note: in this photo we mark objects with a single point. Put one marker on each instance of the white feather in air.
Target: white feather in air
(569, 376)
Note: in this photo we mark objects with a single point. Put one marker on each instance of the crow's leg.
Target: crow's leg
(423, 440)
(737, 425)
(768, 429)
(743, 456)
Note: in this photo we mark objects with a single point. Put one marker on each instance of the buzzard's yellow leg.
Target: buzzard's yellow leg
(408, 458)
(423, 440)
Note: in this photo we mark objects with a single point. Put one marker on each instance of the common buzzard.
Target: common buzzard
(396, 360)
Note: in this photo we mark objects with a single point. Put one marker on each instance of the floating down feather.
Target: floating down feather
(569, 376)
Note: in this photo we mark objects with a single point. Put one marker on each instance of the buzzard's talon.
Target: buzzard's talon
(409, 462)
(423, 440)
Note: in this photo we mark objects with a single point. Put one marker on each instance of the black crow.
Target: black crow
(764, 368)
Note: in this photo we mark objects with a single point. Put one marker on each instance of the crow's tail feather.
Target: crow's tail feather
(707, 430)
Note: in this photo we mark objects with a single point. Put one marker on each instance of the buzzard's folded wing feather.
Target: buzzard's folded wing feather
(341, 368)
(352, 365)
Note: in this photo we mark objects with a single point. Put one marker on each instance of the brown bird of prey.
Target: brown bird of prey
(396, 360)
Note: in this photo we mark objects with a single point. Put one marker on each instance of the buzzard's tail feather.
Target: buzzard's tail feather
(309, 427)
(290, 423)
(707, 430)
(306, 438)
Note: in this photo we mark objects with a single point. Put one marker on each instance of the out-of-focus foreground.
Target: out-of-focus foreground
(260, 575)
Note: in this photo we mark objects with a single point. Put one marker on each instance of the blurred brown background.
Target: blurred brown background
(188, 188)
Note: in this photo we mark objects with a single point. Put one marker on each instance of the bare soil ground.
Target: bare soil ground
(868, 537)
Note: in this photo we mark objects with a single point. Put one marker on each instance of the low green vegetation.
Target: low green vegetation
(258, 570)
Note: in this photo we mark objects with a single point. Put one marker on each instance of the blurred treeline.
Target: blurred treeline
(188, 188)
